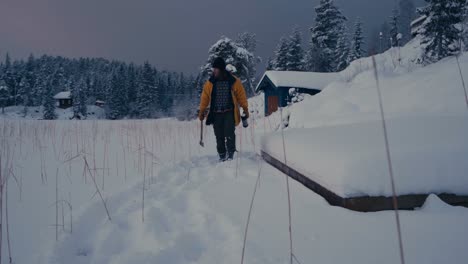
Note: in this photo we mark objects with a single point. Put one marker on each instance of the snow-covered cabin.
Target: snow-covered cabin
(100, 103)
(276, 86)
(64, 99)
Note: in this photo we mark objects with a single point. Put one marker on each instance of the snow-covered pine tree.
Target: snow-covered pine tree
(343, 50)
(131, 83)
(82, 97)
(199, 82)
(9, 76)
(407, 12)
(116, 103)
(146, 92)
(281, 55)
(74, 89)
(234, 54)
(29, 80)
(167, 95)
(295, 53)
(442, 31)
(163, 84)
(183, 102)
(24, 93)
(325, 36)
(18, 72)
(394, 22)
(248, 41)
(311, 54)
(373, 45)
(59, 76)
(384, 38)
(90, 95)
(99, 87)
(48, 97)
(79, 98)
(464, 36)
(357, 47)
(191, 93)
(43, 80)
(270, 65)
(4, 95)
(180, 88)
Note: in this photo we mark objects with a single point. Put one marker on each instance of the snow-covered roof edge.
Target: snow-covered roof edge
(296, 79)
(418, 20)
(63, 95)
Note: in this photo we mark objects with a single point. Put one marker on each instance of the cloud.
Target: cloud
(171, 34)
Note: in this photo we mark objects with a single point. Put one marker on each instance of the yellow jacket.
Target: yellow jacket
(238, 97)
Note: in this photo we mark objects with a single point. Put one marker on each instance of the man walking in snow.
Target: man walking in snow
(224, 93)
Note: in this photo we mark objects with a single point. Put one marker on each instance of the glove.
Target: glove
(201, 116)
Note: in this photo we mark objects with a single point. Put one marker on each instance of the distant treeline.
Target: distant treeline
(128, 90)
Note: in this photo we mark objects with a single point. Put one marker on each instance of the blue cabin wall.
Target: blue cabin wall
(283, 93)
(269, 89)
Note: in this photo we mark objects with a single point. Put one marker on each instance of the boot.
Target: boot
(230, 156)
(222, 157)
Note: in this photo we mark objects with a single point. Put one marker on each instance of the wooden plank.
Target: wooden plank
(363, 203)
(331, 197)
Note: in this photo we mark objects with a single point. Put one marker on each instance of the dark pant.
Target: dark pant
(224, 127)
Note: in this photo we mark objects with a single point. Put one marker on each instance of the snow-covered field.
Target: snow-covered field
(167, 200)
(18, 112)
(195, 209)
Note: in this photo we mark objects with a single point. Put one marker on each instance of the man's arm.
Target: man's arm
(241, 97)
(204, 101)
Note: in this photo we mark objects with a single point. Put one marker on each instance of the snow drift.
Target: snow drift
(336, 137)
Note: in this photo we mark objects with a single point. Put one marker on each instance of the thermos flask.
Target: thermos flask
(244, 121)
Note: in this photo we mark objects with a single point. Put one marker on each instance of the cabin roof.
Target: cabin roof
(63, 95)
(418, 20)
(295, 79)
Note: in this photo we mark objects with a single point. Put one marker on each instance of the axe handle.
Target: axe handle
(201, 131)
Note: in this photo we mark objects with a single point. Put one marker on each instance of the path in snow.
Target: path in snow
(179, 226)
(200, 218)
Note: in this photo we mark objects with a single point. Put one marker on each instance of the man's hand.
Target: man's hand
(201, 116)
(246, 113)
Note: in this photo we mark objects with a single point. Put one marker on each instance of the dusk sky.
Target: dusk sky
(170, 34)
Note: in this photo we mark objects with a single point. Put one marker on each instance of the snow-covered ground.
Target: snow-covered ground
(195, 208)
(35, 113)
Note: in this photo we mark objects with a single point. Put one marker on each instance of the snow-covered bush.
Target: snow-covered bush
(295, 96)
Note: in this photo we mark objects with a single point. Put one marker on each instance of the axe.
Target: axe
(201, 134)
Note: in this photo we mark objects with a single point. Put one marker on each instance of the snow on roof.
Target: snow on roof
(315, 152)
(418, 20)
(294, 79)
(63, 95)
